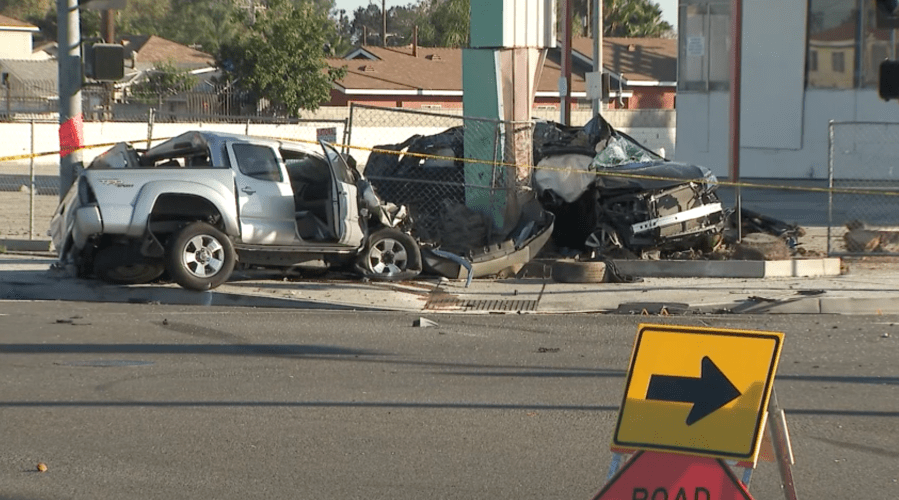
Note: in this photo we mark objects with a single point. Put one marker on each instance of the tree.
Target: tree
(164, 80)
(445, 24)
(367, 24)
(633, 18)
(621, 18)
(204, 24)
(281, 57)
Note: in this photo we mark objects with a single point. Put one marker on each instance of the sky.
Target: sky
(669, 7)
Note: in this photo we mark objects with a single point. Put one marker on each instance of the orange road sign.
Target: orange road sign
(698, 391)
(657, 476)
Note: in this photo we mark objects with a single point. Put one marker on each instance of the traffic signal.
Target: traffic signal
(887, 14)
(106, 62)
(888, 86)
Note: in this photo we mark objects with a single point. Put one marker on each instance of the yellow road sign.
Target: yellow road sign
(698, 391)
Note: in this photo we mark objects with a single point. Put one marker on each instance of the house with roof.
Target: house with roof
(27, 83)
(643, 71)
(143, 54)
(16, 38)
(643, 75)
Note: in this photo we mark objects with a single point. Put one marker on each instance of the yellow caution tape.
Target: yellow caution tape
(608, 173)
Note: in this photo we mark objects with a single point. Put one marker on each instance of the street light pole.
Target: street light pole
(71, 120)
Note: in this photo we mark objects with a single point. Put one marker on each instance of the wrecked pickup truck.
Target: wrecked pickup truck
(615, 198)
(197, 204)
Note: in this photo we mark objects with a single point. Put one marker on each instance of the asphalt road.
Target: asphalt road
(161, 402)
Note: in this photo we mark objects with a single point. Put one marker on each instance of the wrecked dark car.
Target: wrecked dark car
(427, 175)
(613, 197)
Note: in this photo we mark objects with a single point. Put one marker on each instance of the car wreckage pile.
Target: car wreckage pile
(202, 204)
(600, 193)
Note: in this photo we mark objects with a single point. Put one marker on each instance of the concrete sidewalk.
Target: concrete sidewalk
(866, 287)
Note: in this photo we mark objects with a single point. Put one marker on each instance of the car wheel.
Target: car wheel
(200, 257)
(125, 266)
(604, 240)
(390, 254)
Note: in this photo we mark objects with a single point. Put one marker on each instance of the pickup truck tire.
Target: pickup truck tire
(123, 265)
(199, 257)
(390, 254)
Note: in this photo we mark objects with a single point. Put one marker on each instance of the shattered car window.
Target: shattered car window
(619, 152)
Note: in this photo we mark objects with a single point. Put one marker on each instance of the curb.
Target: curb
(793, 268)
(26, 245)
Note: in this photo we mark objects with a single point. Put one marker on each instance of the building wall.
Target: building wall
(783, 126)
(708, 145)
(15, 44)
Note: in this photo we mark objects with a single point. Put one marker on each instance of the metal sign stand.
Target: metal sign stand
(780, 443)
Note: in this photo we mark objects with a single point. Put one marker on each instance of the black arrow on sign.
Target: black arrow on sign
(710, 391)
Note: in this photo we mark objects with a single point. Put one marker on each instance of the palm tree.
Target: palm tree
(633, 18)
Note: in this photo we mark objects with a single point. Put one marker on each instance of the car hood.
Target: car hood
(652, 175)
(569, 176)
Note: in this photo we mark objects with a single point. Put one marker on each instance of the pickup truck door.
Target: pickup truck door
(348, 225)
(265, 200)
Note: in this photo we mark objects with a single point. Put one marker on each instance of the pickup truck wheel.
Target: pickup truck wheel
(391, 254)
(125, 266)
(200, 257)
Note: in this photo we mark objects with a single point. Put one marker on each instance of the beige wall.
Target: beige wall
(15, 44)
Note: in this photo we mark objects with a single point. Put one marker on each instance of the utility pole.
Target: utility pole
(565, 80)
(597, 50)
(71, 120)
(108, 21)
(384, 23)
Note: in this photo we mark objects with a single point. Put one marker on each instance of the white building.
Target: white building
(15, 38)
(805, 63)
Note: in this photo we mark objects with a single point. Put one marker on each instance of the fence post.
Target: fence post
(348, 131)
(830, 127)
(31, 190)
(150, 117)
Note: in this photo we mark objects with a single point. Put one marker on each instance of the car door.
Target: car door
(345, 196)
(265, 200)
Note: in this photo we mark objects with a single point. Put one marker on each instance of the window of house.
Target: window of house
(878, 45)
(833, 36)
(838, 61)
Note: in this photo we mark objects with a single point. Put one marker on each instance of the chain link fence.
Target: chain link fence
(418, 159)
(37, 99)
(863, 208)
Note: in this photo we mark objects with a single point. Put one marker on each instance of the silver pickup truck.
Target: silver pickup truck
(197, 204)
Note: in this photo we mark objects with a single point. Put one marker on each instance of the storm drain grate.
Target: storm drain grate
(490, 305)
